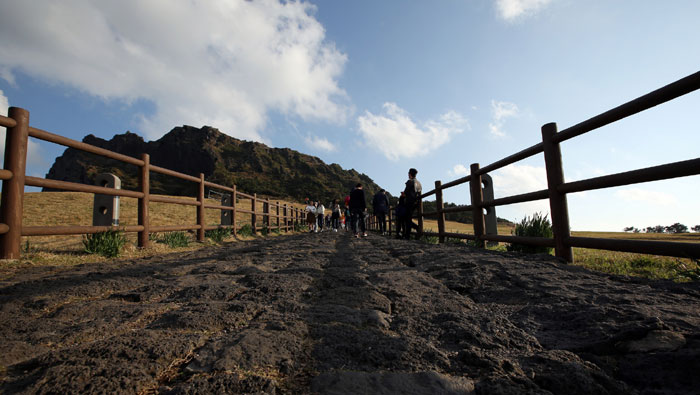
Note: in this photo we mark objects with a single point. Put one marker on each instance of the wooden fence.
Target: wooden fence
(557, 188)
(14, 181)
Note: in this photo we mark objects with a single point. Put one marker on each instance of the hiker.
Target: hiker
(380, 205)
(335, 215)
(413, 191)
(320, 212)
(400, 214)
(310, 216)
(358, 207)
(348, 217)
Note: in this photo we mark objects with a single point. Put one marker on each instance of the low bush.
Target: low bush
(174, 239)
(108, 243)
(245, 230)
(218, 235)
(535, 226)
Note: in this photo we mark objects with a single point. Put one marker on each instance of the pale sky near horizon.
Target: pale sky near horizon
(378, 86)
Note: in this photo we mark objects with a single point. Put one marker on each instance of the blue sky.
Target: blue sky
(378, 86)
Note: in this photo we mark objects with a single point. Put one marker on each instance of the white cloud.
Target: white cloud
(500, 112)
(518, 179)
(320, 143)
(646, 196)
(511, 10)
(221, 62)
(4, 104)
(458, 170)
(396, 135)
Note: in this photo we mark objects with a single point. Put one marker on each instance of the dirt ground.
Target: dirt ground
(330, 314)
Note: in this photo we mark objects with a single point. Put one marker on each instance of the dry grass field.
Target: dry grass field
(74, 208)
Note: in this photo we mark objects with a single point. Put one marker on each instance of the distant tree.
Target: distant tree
(695, 228)
(636, 230)
(676, 228)
(655, 229)
(628, 229)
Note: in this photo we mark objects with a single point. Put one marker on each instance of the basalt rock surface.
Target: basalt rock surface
(330, 314)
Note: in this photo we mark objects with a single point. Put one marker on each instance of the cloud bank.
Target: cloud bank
(396, 135)
(221, 62)
(4, 103)
(500, 112)
(511, 10)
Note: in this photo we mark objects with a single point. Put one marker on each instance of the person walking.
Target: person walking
(380, 205)
(310, 216)
(413, 191)
(358, 207)
(348, 217)
(335, 215)
(400, 215)
(320, 214)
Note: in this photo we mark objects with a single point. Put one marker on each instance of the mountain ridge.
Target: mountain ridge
(253, 167)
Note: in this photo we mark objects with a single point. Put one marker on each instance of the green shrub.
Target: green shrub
(430, 239)
(299, 227)
(174, 239)
(108, 243)
(537, 226)
(218, 235)
(245, 230)
(265, 230)
(275, 231)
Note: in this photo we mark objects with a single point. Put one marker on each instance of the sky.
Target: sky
(377, 86)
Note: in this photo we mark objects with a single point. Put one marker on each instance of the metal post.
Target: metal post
(266, 215)
(253, 216)
(557, 201)
(12, 200)
(279, 225)
(286, 218)
(441, 215)
(145, 185)
(200, 209)
(233, 212)
(477, 211)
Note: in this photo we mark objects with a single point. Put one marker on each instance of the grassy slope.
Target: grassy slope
(74, 208)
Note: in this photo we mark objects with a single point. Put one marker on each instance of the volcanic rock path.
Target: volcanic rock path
(330, 314)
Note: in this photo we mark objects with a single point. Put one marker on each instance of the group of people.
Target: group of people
(352, 216)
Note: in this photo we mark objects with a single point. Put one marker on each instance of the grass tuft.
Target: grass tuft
(108, 243)
(535, 226)
(174, 239)
(218, 235)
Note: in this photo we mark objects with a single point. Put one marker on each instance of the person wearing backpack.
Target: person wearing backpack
(413, 193)
(335, 215)
(358, 207)
(380, 204)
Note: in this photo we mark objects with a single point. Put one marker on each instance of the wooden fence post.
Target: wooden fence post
(13, 189)
(253, 216)
(477, 196)
(557, 201)
(200, 209)
(420, 217)
(145, 185)
(440, 214)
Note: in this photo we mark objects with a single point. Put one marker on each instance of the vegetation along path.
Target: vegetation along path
(327, 313)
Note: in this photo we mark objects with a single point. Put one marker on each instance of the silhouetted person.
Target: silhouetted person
(358, 206)
(413, 191)
(380, 204)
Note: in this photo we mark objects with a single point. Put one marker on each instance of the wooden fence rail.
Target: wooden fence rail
(557, 188)
(14, 181)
